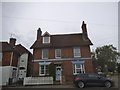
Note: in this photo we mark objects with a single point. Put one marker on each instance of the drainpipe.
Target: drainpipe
(10, 78)
(11, 59)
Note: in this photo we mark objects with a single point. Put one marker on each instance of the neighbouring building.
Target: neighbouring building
(16, 62)
(62, 56)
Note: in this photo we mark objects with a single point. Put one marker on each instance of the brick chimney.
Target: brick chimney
(12, 42)
(84, 30)
(39, 33)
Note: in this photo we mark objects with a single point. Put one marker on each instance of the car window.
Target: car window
(92, 75)
(83, 75)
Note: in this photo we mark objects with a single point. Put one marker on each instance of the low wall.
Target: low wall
(37, 80)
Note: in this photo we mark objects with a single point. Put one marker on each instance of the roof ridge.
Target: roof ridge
(66, 34)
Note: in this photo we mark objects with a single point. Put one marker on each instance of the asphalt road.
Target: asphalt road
(48, 87)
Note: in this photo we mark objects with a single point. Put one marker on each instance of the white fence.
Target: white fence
(37, 80)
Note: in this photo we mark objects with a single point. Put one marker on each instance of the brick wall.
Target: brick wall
(89, 66)
(67, 70)
(6, 58)
(85, 52)
(66, 53)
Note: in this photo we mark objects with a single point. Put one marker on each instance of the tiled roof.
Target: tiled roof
(63, 40)
(5, 46)
(21, 49)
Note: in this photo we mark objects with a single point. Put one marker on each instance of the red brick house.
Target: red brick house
(68, 53)
(17, 59)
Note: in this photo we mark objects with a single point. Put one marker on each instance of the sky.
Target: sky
(22, 19)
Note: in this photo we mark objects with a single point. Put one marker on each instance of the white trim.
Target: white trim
(40, 70)
(60, 59)
(44, 40)
(81, 68)
(42, 64)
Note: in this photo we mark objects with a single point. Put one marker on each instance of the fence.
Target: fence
(37, 80)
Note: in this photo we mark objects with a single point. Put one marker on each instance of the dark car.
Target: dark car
(82, 80)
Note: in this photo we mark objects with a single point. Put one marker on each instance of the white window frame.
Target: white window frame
(82, 68)
(57, 53)
(75, 49)
(44, 71)
(43, 54)
(46, 39)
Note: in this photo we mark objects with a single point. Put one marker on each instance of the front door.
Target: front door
(58, 73)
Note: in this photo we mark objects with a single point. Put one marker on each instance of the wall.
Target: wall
(23, 62)
(67, 65)
(6, 74)
(6, 58)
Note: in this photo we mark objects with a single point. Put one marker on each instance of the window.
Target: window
(0, 56)
(45, 54)
(22, 60)
(14, 72)
(77, 52)
(46, 39)
(44, 70)
(78, 68)
(58, 53)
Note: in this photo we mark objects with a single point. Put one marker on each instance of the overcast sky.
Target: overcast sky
(23, 19)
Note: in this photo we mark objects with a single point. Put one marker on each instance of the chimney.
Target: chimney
(84, 30)
(39, 33)
(12, 42)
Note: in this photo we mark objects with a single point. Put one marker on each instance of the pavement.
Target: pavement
(116, 80)
(69, 86)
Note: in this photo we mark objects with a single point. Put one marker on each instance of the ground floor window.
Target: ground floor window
(44, 70)
(78, 68)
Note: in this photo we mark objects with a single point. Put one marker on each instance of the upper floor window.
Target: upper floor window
(45, 54)
(46, 39)
(76, 51)
(0, 56)
(57, 53)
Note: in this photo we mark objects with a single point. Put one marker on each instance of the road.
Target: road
(71, 86)
(56, 87)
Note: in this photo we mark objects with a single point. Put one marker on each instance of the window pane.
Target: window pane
(45, 53)
(0, 56)
(78, 71)
(78, 65)
(58, 53)
(42, 69)
(46, 39)
(47, 70)
(77, 52)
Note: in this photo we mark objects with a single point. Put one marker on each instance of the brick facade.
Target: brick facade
(67, 62)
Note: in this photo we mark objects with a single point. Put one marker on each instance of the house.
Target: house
(16, 62)
(62, 56)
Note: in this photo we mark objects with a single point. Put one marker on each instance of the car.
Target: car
(82, 80)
